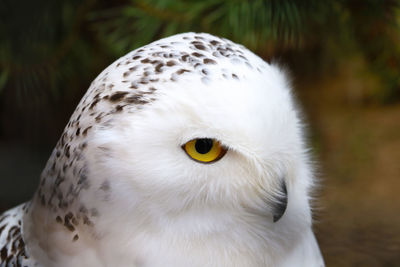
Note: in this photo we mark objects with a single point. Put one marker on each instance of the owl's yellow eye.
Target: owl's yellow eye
(204, 150)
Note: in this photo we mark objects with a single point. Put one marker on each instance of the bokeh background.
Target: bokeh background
(343, 58)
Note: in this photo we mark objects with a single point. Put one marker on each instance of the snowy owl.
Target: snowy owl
(186, 152)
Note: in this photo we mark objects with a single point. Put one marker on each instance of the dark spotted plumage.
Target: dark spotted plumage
(12, 245)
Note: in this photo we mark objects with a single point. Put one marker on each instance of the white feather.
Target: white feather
(151, 205)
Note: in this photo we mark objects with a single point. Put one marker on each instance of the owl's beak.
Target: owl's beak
(280, 205)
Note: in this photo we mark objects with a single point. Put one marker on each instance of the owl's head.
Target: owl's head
(183, 127)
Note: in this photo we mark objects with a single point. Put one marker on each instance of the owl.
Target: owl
(188, 151)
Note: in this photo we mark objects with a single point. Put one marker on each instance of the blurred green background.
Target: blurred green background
(343, 57)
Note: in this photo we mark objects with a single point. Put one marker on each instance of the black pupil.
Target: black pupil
(204, 145)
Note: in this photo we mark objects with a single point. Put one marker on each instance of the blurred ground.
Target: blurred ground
(358, 148)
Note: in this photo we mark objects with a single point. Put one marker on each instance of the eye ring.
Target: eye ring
(204, 150)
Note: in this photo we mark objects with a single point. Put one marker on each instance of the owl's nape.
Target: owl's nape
(171, 159)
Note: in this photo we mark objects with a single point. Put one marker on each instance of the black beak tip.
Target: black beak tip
(280, 206)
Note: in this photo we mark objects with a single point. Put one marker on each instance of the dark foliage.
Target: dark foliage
(51, 50)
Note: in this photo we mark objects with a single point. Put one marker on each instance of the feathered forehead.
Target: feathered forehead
(133, 80)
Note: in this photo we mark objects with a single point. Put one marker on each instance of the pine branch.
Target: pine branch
(252, 23)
